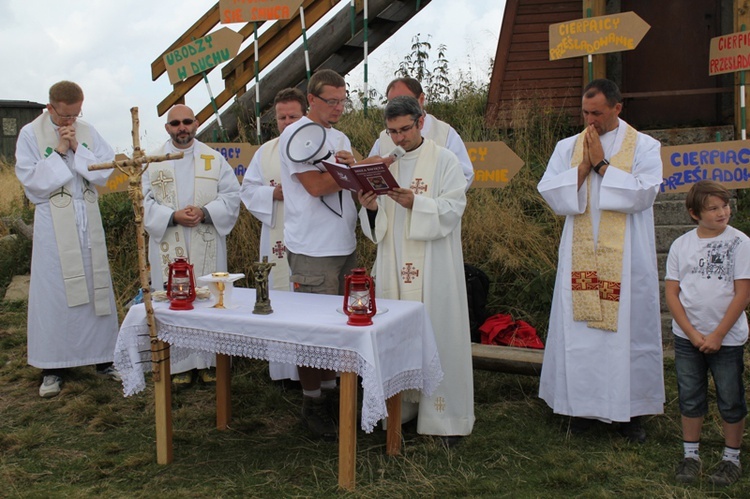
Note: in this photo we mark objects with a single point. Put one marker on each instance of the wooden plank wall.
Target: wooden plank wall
(523, 76)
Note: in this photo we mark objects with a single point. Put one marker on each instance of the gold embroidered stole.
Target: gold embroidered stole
(597, 273)
(62, 211)
(270, 170)
(203, 244)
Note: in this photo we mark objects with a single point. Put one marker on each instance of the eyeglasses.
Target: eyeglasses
(333, 102)
(66, 116)
(186, 122)
(402, 130)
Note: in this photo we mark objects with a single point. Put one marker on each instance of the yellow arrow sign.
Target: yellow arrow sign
(596, 35)
(237, 154)
(117, 181)
(247, 11)
(729, 53)
(495, 164)
(202, 54)
(724, 162)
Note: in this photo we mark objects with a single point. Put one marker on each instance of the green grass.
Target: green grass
(91, 441)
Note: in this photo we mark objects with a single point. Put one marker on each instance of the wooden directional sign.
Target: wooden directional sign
(494, 163)
(246, 11)
(729, 53)
(596, 35)
(237, 154)
(202, 54)
(724, 162)
(117, 181)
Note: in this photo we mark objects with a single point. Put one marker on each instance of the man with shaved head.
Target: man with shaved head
(190, 205)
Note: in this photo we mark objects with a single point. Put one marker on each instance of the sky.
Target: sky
(108, 47)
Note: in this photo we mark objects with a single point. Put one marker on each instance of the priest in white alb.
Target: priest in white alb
(434, 129)
(190, 205)
(603, 358)
(72, 318)
(263, 196)
(417, 229)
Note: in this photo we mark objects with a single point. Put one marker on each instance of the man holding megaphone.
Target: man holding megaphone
(319, 222)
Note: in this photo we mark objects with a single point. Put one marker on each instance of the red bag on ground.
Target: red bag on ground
(501, 329)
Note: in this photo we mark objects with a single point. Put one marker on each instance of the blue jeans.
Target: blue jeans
(726, 366)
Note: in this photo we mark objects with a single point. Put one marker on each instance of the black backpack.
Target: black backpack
(477, 290)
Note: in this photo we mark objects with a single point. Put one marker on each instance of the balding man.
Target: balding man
(190, 205)
(439, 131)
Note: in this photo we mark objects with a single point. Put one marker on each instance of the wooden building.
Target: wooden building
(14, 114)
(664, 80)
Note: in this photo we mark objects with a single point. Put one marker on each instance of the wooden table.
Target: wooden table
(398, 352)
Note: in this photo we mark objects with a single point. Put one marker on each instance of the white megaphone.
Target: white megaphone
(306, 144)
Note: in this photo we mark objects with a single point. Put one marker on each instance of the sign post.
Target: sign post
(199, 56)
(730, 54)
(202, 54)
(258, 11)
(725, 162)
(495, 164)
(596, 35)
(253, 11)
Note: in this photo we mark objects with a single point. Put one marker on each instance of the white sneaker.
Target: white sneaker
(110, 372)
(50, 386)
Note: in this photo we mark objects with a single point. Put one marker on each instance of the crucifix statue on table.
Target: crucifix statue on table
(134, 169)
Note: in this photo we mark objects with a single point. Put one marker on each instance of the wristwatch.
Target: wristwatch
(599, 165)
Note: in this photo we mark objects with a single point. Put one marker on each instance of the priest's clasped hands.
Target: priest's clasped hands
(593, 152)
(190, 216)
(68, 140)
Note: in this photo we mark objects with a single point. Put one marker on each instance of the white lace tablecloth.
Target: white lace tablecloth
(396, 353)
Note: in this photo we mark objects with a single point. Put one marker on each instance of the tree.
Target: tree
(435, 82)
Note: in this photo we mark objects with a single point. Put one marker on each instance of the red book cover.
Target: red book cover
(368, 177)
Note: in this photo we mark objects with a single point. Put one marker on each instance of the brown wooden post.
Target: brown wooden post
(741, 16)
(598, 8)
(223, 391)
(393, 432)
(160, 368)
(347, 430)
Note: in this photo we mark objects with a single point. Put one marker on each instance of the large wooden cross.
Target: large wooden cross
(134, 169)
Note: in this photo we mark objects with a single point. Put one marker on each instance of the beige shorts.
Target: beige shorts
(323, 275)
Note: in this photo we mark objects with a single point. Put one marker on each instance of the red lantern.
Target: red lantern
(359, 298)
(181, 284)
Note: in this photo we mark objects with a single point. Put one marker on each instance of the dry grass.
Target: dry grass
(11, 192)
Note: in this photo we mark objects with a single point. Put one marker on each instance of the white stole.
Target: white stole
(407, 282)
(203, 238)
(270, 170)
(63, 214)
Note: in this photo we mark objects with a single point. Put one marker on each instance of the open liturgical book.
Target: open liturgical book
(367, 177)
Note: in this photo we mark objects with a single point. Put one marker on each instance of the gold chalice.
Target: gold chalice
(220, 286)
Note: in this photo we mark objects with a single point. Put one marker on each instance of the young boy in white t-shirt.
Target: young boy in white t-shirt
(707, 290)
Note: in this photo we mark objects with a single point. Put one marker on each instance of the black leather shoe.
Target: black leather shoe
(580, 425)
(633, 431)
(452, 441)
